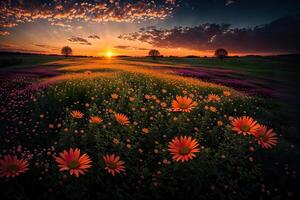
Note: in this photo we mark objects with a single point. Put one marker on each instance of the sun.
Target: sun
(109, 54)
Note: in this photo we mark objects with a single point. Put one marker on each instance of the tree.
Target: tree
(154, 53)
(221, 53)
(66, 51)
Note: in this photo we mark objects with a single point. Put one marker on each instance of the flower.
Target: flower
(122, 119)
(213, 97)
(77, 114)
(87, 72)
(265, 138)
(11, 166)
(113, 164)
(114, 96)
(183, 104)
(145, 130)
(73, 162)
(226, 93)
(95, 120)
(213, 109)
(116, 141)
(183, 149)
(244, 125)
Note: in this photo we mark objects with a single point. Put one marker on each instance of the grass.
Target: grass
(259, 66)
(39, 125)
(24, 60)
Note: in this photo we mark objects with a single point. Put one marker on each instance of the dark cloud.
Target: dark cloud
(281, 35)
(79, 40)
(130, 47)
(94, 37)
(14, 12)
(46, 46)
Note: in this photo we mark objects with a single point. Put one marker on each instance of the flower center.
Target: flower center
(262, 136)
(73, 164)
(245, 127)
(184, 105)
(111, 165)
(184, 150)
(13, 168)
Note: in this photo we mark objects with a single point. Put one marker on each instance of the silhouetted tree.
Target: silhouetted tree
(221, 53)
(66, 51)
(154, 53)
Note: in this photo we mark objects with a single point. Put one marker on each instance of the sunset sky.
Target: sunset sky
(132, 27)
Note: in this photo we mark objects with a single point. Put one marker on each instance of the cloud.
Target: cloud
(130, 48)
(281, 35)
(229, 2)
(46, 46)
(61, 24)
(3, 33)
(14, 12)
(79, 40)
(94, 37)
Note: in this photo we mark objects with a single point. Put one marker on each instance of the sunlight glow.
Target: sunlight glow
(109, 54)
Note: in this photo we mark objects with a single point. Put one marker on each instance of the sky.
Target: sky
(133, 27)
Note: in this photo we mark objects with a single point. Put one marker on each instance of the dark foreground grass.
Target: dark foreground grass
(37, 125)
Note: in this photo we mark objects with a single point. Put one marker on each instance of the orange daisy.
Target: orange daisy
(183, 104)
(265, 138)
(11, 166)
(77, 114)
(95, 120)
(113, 164)
(114, 96)
(213, 97)
(73, 162)
(226, 93)
(122, 119)
(183, 149)
(244, 125)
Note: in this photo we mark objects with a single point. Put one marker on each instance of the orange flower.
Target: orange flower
(114, 96)
(265, 138)
(244, 125)
(11, 166)
(213, 97)
(131, 99)
(183, 104)
(147, 97)
(183, 149)
(77, 114)
(122, 119)
(145, 130)
(226, 93)
(95, 120)
(73, 162)
(113, 164)
(87, 72)
(213, 109)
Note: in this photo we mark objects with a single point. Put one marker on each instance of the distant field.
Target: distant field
(20, 60)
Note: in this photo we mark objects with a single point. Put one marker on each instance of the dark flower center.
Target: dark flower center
(111, 165)
(73, 164)
(184, 150)
(245, 127)
(13, 168)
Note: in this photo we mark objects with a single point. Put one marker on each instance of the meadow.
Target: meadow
(134, 128)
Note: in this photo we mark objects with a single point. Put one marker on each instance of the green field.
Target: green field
(42, 117)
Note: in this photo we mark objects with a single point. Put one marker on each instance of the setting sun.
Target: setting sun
(109, 54)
